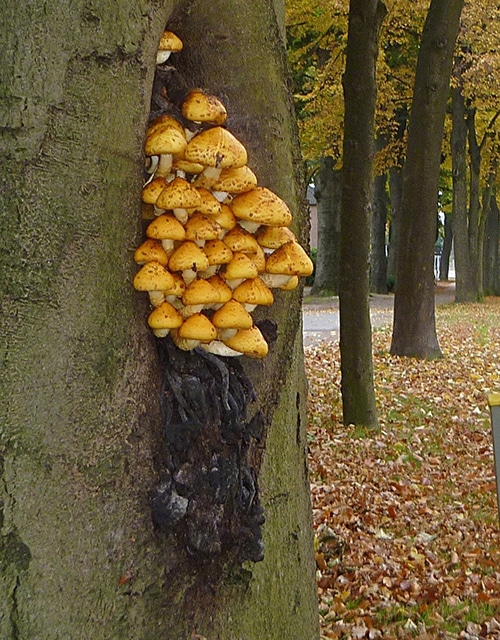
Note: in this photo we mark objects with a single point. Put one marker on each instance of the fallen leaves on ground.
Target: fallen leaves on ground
(406, 523)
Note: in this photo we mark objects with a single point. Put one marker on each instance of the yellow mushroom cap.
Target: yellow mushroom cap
(197, 327)
(274, 237)
(151, 251)
(258, 258)
(226, 217)
(216, 147)
(178, 287)
(235, 180)
(178, 194)
(261, 206)
(240, 266)
(217, 252)
(239, 239)
(162, 121)
(225, 292)
(153, 189)
(188, 255)
(209, 204)
(232, 315)
(185, 166)
(169, 43)
(290, 259)
(291, 284)
(251, 342)
(153, 277)
(200, 228)
(163, 317)
(200, 292)
(253, 291)
(199, 106)
(165, 140)
(166, 227)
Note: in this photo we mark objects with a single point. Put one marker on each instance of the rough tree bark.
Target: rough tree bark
(80, 419)
(360, 89)
(414, 331)
(327, 193)
(396, 189)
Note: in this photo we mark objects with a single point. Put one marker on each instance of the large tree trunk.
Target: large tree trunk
(358, 396)
(414, 331)
(327, 192)
(82, 436)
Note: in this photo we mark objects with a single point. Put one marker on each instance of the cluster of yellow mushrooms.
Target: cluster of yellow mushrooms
(217, 243)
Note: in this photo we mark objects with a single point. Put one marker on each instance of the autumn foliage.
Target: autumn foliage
(406, 521)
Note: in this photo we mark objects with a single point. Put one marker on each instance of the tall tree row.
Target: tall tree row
(81, 381)
(414, 332)
(360, 90)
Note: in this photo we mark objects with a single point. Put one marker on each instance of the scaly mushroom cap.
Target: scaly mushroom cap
(200, 292)
(253, 291)
(226, 217)
(152, 190)
(209, 204)
(250, 342)
(291, 284)
(165, 140)
(225, 292)
(200, 228)
(162, 121)
(166, 227)
(232, 315)
(290, 259)
(169, 43)
(184, 166)
(178, 194)
(202, 107)
(217, 252)
(188, 255)
(177, 289)
(240, 267)
(151, 251)
(153, 277)
(274, 237)
(239, 239)
(258, 257)
(163, 318)
(261, 206)
(235, 180)
(197, 327)
(216, 147)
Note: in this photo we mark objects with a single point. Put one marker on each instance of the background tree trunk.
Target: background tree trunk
(414, 331)
(327, 192)
(491, 250)
(444, 263)
(358, 396)
(81, 436)
(396, 189)
(378, 257)
(466, 289)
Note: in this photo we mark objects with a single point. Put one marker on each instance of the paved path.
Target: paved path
(320, 316)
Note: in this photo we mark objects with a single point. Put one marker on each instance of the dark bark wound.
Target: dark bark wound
(209, 494)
